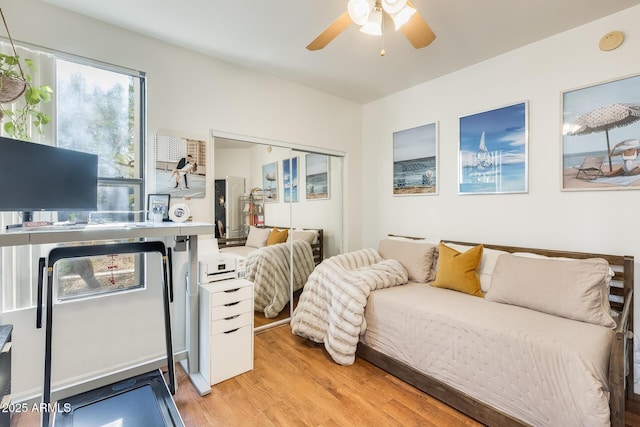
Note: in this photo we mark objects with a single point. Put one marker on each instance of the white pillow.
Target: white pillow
(576, 290)
(487, 264)
(310, 236)
(257, 237)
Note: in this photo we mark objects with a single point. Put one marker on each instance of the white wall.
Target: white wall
(546, 217)
(188, 95)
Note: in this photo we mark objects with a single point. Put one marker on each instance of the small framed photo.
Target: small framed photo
(158, 203)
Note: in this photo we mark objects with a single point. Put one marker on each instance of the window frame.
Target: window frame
(22, 293)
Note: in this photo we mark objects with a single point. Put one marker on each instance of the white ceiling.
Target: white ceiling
(271, 35)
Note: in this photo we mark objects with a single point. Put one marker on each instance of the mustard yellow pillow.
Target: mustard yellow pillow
(277, 236)
(458, 270)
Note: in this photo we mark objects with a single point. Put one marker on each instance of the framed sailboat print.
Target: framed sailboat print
(493, 151)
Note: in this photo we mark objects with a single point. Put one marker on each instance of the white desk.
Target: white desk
(191, 230)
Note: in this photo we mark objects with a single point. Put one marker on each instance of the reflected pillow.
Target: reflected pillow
(310, 236)
(458, 270)
(257, 237)
(277, 236)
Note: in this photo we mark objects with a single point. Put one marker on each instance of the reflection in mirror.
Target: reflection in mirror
(180, 167)
(260, 188)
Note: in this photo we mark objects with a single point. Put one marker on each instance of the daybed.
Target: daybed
(267, 253)
(537, 346)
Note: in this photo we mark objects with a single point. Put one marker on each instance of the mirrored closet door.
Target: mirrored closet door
(266, 194)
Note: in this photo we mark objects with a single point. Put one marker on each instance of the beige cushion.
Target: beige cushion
(576, 290)
(310, 236)
(418, 258)
(257, 237)
(487, 264)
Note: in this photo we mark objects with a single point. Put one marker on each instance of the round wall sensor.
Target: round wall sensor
(611, 40)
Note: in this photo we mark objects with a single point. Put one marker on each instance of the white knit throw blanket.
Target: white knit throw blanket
(331, 307)
(268, 269)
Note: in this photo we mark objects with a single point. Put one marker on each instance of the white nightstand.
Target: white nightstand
(226, 329)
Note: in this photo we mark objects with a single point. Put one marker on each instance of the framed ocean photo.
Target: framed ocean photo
(415, 161)
(493, 151)
(270, 182)
(290, 179)
(601, 136)
(317, 176)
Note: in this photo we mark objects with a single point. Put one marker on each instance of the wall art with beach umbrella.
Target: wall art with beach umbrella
(601, 136)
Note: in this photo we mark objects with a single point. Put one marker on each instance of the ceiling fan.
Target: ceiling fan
(369, 15)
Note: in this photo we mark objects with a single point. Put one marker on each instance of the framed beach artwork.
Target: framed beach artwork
(290, 179)
(415, 161)
(601, 136)
(270, 182)
(317, 176)
(493, 151)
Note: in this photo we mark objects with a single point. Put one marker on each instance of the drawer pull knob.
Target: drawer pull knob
(231, 331)
(232, 303)
(232, 290)
(232, 317)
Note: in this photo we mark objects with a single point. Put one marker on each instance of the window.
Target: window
(99, 109)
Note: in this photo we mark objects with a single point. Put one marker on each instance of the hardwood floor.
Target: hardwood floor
(295, 383)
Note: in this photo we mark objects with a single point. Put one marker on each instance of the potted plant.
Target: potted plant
(15, 82)
(21, 113)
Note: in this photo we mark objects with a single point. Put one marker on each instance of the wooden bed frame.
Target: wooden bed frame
(620, 363)
(317, 248)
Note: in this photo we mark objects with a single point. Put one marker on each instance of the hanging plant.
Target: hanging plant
(20, 115)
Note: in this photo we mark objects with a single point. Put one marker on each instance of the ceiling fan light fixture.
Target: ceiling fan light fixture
(403, 16)
(359, 10)
(374, 25)
(393, 6)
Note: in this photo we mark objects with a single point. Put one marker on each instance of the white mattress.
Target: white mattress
(239, 250)
(541, 369)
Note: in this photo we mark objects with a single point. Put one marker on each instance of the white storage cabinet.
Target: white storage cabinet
(226, 329)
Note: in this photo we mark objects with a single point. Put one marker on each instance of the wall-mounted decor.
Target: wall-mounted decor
(601, 136)
(270, 182)
(180, 166)
(415, 160)
(493, 149)
(290, 179)
(317, 176)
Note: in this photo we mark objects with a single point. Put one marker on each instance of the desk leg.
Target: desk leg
(191, 364)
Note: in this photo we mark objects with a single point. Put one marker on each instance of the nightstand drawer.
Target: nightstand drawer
(231, 354)
(229, 323)
(231, 295)
(231, 309)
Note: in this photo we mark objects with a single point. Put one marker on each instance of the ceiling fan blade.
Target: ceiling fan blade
(417, 31)
(332, 31)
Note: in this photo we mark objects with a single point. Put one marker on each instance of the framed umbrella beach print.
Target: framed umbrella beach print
(493, 151)
(601, 136)
(415, 161)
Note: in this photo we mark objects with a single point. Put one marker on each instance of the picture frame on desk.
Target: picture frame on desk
(158, 202)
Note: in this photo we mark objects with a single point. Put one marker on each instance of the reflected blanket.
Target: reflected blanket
(268, 269)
